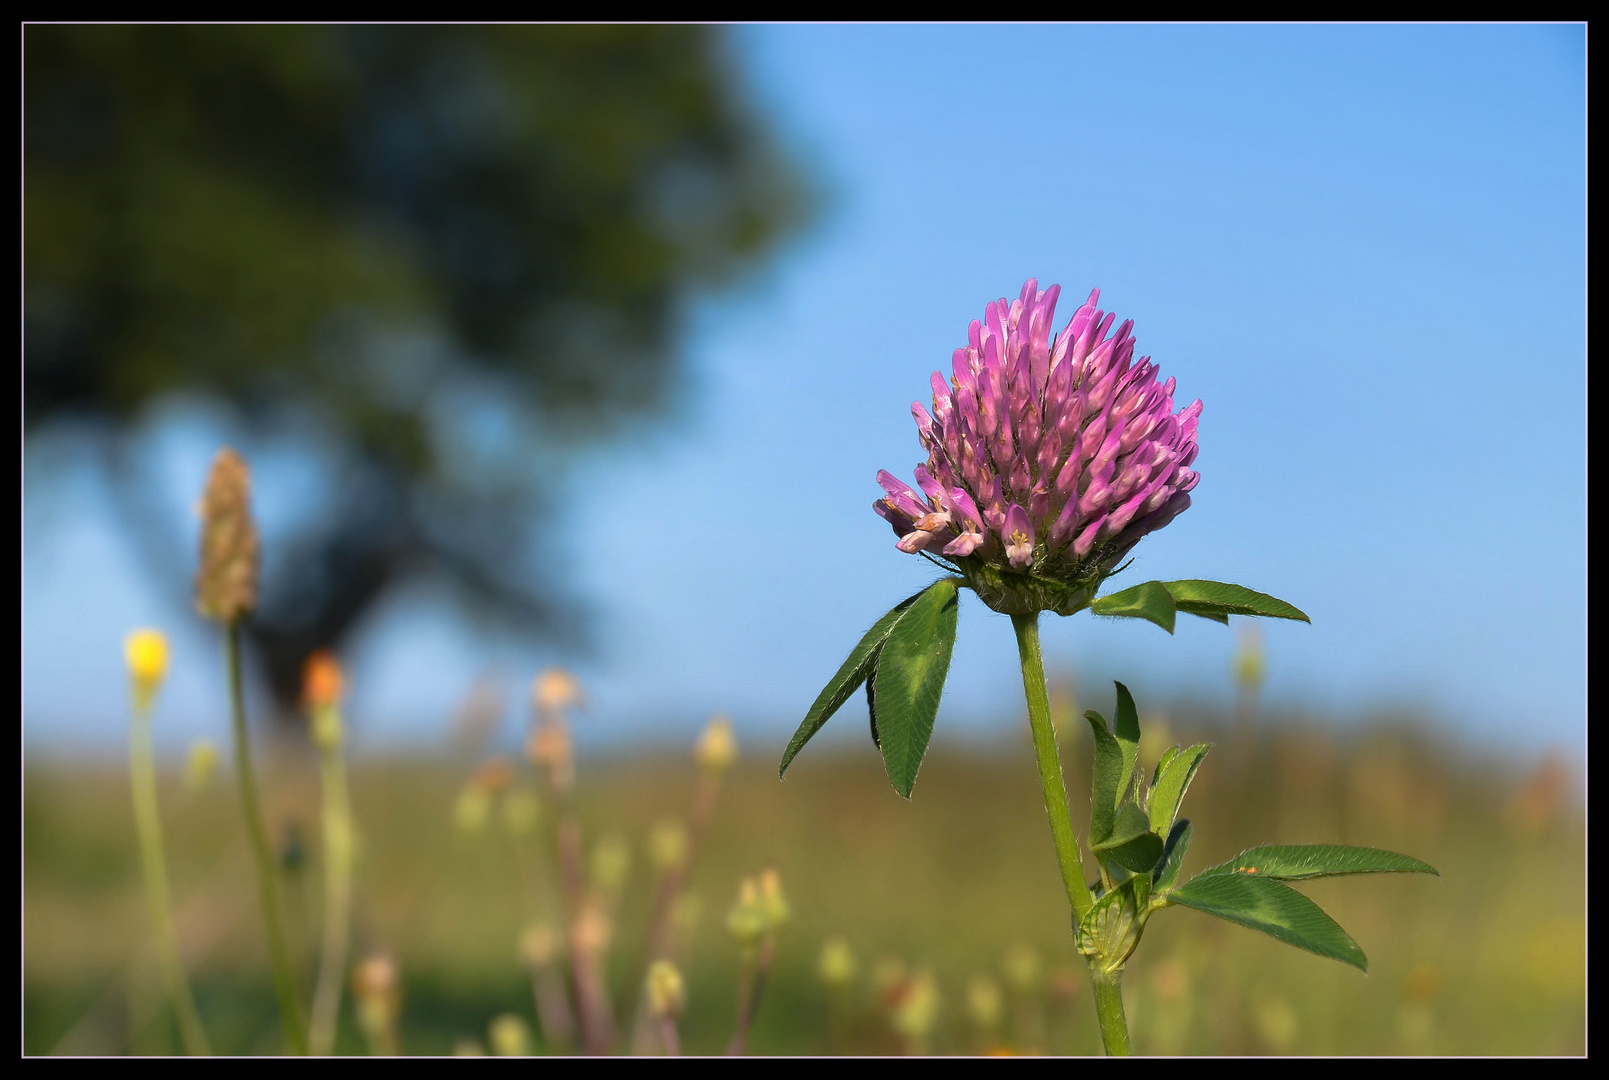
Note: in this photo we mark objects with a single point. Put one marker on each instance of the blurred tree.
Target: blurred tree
(452, 252)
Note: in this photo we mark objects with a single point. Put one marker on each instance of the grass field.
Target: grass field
(955, 892)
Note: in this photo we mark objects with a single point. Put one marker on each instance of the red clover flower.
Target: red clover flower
(1049, 456)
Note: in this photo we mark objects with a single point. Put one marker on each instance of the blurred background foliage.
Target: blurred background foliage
(445, 257)
(934, 925)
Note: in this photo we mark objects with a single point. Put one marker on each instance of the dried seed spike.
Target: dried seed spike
(226, 583)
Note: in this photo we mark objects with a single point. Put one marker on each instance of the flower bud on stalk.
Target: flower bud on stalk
(761, 910)
(226, 590)
(551, 749)
(1024, 971)
(591, 933)
(550, 746)
(379, 999)
(985, 1003)
(322, 688)
(746, 921)
(675, 848)
(716, 749)
(667, 845)
(772, 903)
(667, 996)
(836, 967)
(916, 1011)
(146, 652)
(509, 1036)
(666, 993)
(555, 689)
(473, 807)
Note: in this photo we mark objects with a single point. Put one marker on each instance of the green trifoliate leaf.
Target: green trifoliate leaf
(1150, 600)
(909, 680)
(1131, 843)
(855, 670)
(1167, 871)
(1217, 600)
(1158, 601)
(1173, 775)
(1117, 751)
(871, 701)
(1127, 730)
(1167, 755)
(1104, 791)
(1277, 910)
(1298, 862)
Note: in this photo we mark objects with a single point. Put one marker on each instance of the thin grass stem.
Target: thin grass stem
(756, 965)
(337, 814)
(290, 1010)
(153, 863)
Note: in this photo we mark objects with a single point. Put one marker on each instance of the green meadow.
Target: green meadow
(950, 903)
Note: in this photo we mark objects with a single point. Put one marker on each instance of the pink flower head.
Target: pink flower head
(1048, 454)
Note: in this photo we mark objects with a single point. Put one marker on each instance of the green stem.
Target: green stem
(1108, 987)
(1109, 1010)
(267, 877)
(337, 897)
(148, 825)
(1050, 777)
(754, 966)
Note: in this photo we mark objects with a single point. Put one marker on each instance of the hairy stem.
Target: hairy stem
(1109, 1011)
(148, 824)
(337, 899)
(1108, 987)
(267, 879)
(1050, 777)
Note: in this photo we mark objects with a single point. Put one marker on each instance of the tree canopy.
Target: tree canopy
(459, 250)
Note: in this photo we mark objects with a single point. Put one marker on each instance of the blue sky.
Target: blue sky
(1362, 247)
